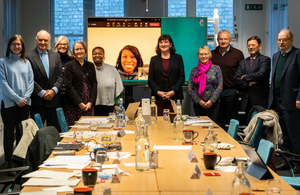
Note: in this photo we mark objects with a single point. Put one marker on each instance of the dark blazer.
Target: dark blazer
(257, 94)
(176, 76)
(290, 80)
(41, 81)
(73, 80)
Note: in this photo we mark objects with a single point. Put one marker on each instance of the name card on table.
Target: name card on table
(196, 173)
(121, 133)
(192, 158)
(117, 160)
(117, 177)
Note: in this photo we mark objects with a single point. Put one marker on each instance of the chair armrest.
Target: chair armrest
(14, 169)
(283, 153)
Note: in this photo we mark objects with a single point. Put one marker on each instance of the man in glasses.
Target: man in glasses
(48, 79)
(284, 95)
(252, 77)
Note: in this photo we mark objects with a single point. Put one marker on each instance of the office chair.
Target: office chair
(12, 182)
(292, 181)
(62, 120)
(233, 128)
(38, 120)
(265, 150)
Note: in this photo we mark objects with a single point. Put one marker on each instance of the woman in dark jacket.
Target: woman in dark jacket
(81, 85)
(166, 74)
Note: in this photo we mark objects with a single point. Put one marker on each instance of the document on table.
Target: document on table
(123, 155)
(39, 193)
(49, 174)
(197, 121)
(69, 162)
(87, 134)
(88, 120)
(60, 189)
(172, 147)
(226, 168)
(51, 182)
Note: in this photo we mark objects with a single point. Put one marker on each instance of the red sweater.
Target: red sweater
(228, 64)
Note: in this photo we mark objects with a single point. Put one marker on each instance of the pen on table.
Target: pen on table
(50, 165)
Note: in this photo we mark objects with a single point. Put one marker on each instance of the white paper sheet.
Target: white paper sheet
(70, 162)
(129, 164)
(109, 166)
(226, 168)
(172, 147)
(88, 120)
(39, 193)
(60, 189)
(49, 174)
(123, 155)
(51, 182)
(88, 134)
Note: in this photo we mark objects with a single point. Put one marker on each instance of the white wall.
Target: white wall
(293, 20)
(253, 22)
(34, 15)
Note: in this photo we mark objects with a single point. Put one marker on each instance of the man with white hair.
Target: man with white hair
(48, 79)
(228, 58)
(284, 95)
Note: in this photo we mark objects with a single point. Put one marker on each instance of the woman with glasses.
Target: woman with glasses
(16, 83)
(205, 85)
(81, 85)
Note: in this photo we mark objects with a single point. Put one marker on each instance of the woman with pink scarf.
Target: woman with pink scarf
(205, 85)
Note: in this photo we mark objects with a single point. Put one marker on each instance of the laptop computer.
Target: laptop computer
(258, 168)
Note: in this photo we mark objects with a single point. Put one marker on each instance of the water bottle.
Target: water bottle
(240, 184)
(120, 121)
(153, 111)
(178, 124)
(142, 150)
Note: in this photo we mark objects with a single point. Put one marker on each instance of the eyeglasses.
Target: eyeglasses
(79, 49)
(16, 44)
(283, 40)
(63, 44)
(203, 54)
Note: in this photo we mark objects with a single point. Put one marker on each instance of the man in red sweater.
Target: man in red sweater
(228, 58)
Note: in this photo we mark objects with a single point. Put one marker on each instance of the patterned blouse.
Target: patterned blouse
(214, 85)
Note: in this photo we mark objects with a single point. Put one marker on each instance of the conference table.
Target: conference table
(173, 175)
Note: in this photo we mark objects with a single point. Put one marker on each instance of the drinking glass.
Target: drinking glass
(273, 186)
(166, 113)
(93, 126)
(112, 117)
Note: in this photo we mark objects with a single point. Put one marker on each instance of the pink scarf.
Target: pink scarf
(200, 77)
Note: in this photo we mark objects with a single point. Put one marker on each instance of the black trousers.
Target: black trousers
(229, 106)
(212, 112)
(290, 122)
(11, 118)
(101, 110)
(47, 114)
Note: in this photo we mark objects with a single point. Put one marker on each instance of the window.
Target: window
(68, 19)
(177, 8)
(109, 8)
(205, 8)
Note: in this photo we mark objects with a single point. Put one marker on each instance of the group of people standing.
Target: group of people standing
(43, 80)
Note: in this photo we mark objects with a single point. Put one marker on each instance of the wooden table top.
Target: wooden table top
(174, 172)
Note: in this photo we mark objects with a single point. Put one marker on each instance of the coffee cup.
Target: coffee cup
(210, 159)
(190, 135)
(172, 116)
(93, 154)
(83, 190)
(89, 176)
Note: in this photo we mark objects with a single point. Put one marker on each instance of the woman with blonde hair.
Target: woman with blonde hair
(205, 85)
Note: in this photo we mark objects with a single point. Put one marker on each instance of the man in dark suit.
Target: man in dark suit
(252, 77)
(284, 95)
(228, 58)
(48, 79)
